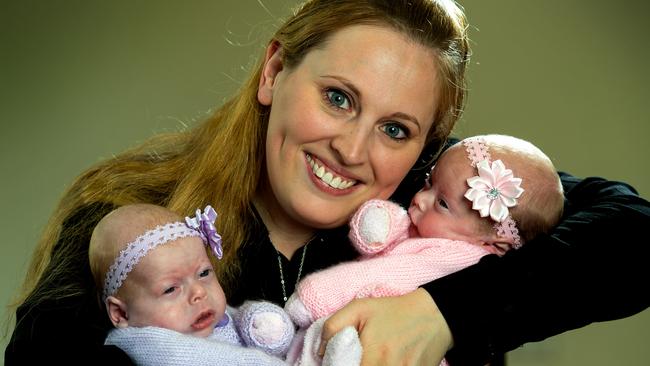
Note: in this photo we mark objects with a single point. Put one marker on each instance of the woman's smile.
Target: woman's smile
(329, 177)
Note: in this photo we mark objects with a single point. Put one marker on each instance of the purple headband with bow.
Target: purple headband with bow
(202, 226)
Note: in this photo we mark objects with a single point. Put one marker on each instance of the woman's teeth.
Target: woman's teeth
(328, 177)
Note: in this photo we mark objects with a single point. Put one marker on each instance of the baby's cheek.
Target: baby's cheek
(170, 318)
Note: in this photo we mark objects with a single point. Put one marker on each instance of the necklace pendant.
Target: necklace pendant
(302, 261)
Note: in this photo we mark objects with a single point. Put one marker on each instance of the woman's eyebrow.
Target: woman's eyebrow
(406, 116)
(345, 82)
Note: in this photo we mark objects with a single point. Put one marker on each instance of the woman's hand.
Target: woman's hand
(402, 330)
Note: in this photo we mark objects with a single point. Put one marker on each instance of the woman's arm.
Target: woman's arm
(590, 268)
(65, 331)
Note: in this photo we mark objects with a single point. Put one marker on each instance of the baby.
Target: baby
(486, 195)
(159, 288)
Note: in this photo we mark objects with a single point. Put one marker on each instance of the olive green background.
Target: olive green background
(81, 80)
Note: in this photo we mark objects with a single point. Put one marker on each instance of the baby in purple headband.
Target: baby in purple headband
(159, 288)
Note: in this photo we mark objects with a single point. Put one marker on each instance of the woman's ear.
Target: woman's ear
(271, 69)
(117, 312)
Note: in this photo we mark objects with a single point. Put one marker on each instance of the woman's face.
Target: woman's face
(347, 123)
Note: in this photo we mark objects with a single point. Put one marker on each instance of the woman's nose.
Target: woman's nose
(352, 143)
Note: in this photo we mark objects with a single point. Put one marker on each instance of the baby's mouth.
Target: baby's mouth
(204, 320)
(329, 177)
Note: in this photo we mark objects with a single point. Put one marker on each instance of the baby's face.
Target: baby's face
(174, 286)
(440, 209)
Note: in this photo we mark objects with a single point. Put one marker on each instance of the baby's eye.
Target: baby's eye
(395, 131)
(337, 99)
(443, 203)
(205, 272)
(169, 290)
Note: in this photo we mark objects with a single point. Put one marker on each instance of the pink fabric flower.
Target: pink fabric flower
(493, 190)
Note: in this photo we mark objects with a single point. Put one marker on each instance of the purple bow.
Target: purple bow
(204, 224)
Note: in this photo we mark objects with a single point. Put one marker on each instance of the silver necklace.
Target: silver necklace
(302, 261)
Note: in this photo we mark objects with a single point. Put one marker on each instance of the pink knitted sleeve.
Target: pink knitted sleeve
(410, 264)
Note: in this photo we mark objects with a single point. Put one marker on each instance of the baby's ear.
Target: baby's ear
(117, 312)
(496, 244)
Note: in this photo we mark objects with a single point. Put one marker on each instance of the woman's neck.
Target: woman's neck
(286, 234)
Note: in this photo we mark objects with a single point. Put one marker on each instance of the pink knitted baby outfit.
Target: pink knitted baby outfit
(390, 264)
(393, 266)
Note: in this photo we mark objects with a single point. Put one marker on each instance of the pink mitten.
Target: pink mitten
(378, 225)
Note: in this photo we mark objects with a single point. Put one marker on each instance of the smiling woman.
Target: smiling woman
(349, 100)
(347, 118)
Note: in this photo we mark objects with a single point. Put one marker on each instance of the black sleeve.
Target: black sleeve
(65, 332)
(67, 324)
(588, 269)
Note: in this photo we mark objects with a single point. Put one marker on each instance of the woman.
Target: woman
(319, 100)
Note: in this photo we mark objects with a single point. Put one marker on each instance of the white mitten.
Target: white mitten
(343, 349)
(298, 312)
(377, 225)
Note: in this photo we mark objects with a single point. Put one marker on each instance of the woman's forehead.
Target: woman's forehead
(384, 65)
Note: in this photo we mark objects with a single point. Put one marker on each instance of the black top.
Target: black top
(587, 269)
(260, 271)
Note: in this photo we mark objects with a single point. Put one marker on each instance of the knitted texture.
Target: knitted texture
(396, 270)
(227, 333)
(164, 347)
(391, 264)
(262, 326)
(343, 349)
(266, 326)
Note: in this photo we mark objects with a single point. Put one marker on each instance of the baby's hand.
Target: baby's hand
(298, 312)
(377, 225)
(266, 326)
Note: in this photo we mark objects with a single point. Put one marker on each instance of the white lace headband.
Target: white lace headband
(493, 190)
(202, 226)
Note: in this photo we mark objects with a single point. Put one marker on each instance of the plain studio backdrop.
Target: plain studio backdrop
(81, 80)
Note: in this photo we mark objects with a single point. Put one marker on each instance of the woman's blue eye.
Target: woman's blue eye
(337, 99)
(395, 131)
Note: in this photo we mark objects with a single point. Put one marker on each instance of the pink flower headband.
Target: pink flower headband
(202, 226)
(493, 190)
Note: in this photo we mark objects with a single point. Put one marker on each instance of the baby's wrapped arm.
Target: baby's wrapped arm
(409, 265)
(264, 325)
(159, 346)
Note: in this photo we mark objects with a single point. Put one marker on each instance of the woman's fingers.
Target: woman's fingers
(402, 330)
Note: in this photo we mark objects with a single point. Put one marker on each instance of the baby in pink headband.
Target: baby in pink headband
(159, 286)
(486, 195)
